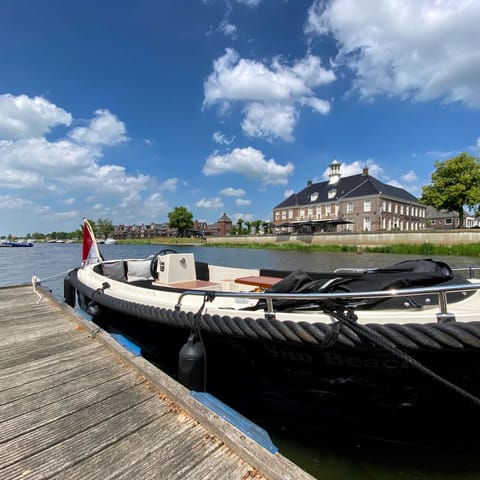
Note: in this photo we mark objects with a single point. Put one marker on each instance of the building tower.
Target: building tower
(334, 172)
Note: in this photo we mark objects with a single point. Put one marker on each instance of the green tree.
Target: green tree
(181, 219)
(455, 184)
(240, 226)
(256, 225)
(104, 227)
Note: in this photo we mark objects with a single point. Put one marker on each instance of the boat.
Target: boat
(16, 244)
(110, 241)
(388, 353)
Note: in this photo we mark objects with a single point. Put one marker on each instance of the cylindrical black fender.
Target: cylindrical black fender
(68, 292)
(191, 365)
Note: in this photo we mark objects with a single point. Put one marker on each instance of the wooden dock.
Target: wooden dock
(75, 404)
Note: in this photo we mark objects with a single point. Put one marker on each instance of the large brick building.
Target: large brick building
(357, 203)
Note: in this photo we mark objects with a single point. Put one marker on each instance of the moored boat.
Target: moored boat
(16, 244)
(388, 352)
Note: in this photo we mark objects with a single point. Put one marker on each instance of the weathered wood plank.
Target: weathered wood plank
(52, 412)
(67, 378)
(52, 433)
(30, 371)
(60, 392)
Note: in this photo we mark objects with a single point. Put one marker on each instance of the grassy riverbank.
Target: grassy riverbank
(467, 250)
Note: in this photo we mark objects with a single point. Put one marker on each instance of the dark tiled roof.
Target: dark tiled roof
(224, 218)
(347, 187)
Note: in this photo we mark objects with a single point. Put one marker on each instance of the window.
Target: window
(313, 196)
(310, 212)
(290, 214)
(327, 209)
(349, 207)
(284, 215)
(367, 224)
(331, 193)
(367, 205)
(448, 221)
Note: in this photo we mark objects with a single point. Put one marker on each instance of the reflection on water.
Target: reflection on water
(362, 461)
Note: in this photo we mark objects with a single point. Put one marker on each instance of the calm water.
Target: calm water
(357, 462)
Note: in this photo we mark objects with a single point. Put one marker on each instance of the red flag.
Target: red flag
(90, 252)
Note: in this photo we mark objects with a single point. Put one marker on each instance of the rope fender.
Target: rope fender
(432, 336)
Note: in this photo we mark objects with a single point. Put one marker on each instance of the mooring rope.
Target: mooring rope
(349, 318)
(38, 281)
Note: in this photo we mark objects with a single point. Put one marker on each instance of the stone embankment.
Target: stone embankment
(453, 237)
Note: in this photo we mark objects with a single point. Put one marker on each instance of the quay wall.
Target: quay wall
(454, 237)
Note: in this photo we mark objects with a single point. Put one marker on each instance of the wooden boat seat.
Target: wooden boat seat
(196, 285)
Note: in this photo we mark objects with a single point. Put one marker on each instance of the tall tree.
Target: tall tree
(104, 227)
(181, 219)
(455, 184)
(240, 226)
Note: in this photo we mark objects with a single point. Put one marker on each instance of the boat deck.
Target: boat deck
(75, 404)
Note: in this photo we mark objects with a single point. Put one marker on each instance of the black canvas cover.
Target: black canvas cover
(407, 274)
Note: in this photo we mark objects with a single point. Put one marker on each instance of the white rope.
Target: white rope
(35, 282)
(54, 276)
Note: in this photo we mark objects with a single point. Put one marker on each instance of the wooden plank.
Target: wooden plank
(261, 281)
(54, 411)
(33, 370)
(30, 443)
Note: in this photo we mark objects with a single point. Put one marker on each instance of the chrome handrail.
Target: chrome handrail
(441, 291)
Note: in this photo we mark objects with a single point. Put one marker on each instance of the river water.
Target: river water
(50, 262)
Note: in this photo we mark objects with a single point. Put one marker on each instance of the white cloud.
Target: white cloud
(419, 50)
(169, 185)
(246, 217)
(356, 167)
(269, 121)
(250, 3)
(228, 29)
(233, 192)
(288, 193)
(251, 163)
(104, 129)
(410, 177)
(24, 117)
(219, 137)
(278, 89)
(241, 202)
(210, 203)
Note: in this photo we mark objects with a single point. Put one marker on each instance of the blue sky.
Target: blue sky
(124, 110)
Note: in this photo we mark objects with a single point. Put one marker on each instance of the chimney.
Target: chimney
(365, 171)
(309, 183)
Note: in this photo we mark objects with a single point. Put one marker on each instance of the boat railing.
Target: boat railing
(441, 291)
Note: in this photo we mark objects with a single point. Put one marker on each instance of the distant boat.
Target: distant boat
(16, 244)
(110, 241)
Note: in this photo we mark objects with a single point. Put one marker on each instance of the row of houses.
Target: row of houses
(357, 203)
(221, 227)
